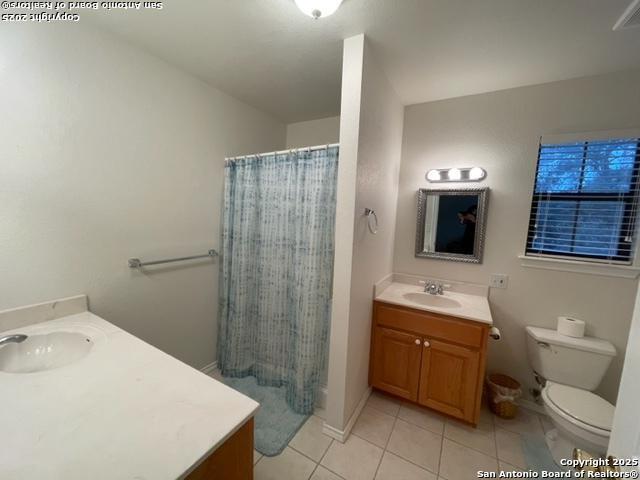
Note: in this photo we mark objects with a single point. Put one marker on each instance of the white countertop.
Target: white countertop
(472, 305)
(125, 411)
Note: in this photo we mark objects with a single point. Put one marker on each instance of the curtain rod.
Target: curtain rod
(288, 150)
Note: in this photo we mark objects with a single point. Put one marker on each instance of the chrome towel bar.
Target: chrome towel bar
(137, 263)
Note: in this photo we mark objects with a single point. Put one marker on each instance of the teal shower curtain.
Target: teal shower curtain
(277, 269)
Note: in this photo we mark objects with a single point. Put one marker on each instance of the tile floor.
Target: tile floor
(393, 440)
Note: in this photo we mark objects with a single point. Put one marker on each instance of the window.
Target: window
(585, 201)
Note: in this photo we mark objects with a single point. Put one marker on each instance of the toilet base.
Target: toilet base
(559, 446)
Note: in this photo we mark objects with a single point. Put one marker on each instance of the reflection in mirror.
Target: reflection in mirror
(451, 224)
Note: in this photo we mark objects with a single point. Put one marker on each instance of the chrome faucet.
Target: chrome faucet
(19, 338)
(434, 288)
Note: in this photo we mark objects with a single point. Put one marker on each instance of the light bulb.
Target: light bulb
(476, 173)
(433, 175)
(318, 8)
(454, 174)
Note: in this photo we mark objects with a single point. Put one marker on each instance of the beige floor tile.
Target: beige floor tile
(322, 473)
(256, 456)
(356, 459)
(415, 444)
(480, 438)
(374, 426)
(547, 424)
(422, 417)
(289, 464)
(385, 403)
(510, 448)
(393, 467)
(310, 440)
(526, 421)
(462, 463)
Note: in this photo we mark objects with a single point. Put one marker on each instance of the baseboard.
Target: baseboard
(343, 435)
(208, 369)
(333, 432)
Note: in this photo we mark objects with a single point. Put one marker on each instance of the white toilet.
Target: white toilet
(572, 368)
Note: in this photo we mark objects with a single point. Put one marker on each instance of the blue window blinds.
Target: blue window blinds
(585, 200)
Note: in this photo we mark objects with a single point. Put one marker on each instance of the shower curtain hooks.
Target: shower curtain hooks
(371, 213)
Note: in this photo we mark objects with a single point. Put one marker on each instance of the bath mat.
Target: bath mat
(537, 454)
(275, 423)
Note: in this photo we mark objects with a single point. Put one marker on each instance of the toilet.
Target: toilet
(568, 369)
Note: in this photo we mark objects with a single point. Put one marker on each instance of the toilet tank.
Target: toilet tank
(578, 362)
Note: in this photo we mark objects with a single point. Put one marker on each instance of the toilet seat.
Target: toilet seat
(580, 407)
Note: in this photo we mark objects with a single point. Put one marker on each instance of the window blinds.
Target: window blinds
(585, 200)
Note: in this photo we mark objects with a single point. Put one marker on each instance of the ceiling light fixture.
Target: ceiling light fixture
(471, 174)
(318, 8)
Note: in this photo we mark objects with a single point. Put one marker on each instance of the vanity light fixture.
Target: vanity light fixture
(318, 8)
(454, 174)
(433, 175)
(472, 174)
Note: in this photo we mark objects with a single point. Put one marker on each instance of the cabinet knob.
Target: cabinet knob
(426, 343)
(418, 341)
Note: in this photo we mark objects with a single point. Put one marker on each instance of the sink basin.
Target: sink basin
(44, 352)
(429, 300)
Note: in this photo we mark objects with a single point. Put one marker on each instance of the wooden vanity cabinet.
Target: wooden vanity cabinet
(233, 460)
(435, 360)
(396, 366)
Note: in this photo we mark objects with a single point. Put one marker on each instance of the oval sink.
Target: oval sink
(44, 352)
(429, 300)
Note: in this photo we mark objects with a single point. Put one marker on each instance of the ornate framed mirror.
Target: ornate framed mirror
(451, 224)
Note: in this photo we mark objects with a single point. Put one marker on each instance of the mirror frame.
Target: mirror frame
(481, 221)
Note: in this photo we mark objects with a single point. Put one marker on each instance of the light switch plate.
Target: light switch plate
(499, 280)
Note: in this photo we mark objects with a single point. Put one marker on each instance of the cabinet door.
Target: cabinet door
(449, 378)
(395, 362)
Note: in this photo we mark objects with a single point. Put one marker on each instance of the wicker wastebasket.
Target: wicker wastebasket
(503, 393)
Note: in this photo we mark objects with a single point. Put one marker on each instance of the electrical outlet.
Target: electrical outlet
(499, 280)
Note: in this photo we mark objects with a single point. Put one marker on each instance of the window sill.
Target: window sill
(562, 265)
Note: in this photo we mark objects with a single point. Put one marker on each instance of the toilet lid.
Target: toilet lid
(584, 406)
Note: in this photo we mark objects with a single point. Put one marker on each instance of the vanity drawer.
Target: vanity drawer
(429, 324)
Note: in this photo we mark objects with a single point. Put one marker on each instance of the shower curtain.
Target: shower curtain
(277, 270)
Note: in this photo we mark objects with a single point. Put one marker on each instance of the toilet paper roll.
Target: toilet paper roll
(495, 333)
(571, 327)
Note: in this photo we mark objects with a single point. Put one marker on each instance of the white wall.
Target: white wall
(108, 153)
(379, 153)
(352, 62)
(500, 132)
(370, 137)
(310, 133)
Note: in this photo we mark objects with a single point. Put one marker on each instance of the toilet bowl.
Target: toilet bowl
(570, 369)
(581, 418)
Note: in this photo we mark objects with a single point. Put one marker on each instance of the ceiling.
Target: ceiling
(268, 54)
